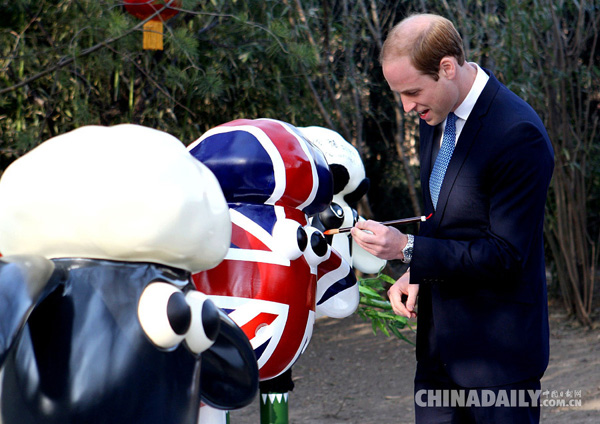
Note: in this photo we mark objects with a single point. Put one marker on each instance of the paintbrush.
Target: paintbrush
(422, 218)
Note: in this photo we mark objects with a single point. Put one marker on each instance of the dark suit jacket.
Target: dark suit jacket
(479, 260)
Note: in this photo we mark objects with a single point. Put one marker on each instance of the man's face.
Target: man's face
(431, 99)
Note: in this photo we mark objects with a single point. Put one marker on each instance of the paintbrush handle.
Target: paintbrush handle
(404, 220)
(393, 222)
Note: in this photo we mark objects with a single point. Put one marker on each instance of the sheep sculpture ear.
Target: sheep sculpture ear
(359, 192)
(341, 177)
(24, 283)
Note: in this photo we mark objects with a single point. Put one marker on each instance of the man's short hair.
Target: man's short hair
(427, 47)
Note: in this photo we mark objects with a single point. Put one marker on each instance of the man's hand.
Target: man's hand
(379, 240)
(403, 287)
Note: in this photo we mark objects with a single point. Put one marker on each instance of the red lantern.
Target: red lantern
(153, 29)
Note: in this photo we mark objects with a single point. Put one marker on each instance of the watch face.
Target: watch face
(408, 250)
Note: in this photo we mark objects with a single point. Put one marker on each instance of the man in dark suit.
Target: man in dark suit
(477, 265)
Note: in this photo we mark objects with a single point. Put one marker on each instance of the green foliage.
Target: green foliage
(72, 63)
(64, 64)
(375, 307)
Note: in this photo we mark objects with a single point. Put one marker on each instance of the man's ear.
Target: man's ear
(448, 67)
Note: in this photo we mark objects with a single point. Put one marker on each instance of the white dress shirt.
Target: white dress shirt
(463, 111)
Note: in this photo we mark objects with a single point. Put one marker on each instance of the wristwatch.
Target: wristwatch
(408, 249)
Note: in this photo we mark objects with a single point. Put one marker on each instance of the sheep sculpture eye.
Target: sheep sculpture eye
(168, 317)
(318, 249)
(291, 239)
(164, 315)
(205, 323)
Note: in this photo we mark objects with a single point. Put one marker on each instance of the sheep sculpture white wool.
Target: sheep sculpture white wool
(126, 192)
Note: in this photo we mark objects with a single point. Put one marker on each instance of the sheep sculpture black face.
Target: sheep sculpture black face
(99, 319)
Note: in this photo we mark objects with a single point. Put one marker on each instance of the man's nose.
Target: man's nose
(407, 105)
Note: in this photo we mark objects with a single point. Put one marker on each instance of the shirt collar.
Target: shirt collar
(464, 109)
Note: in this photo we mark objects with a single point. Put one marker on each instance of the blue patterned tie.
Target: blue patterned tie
(443, 158)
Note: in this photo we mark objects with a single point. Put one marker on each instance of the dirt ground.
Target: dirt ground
(350, 375)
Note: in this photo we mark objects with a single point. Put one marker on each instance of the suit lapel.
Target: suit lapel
(464, 143)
